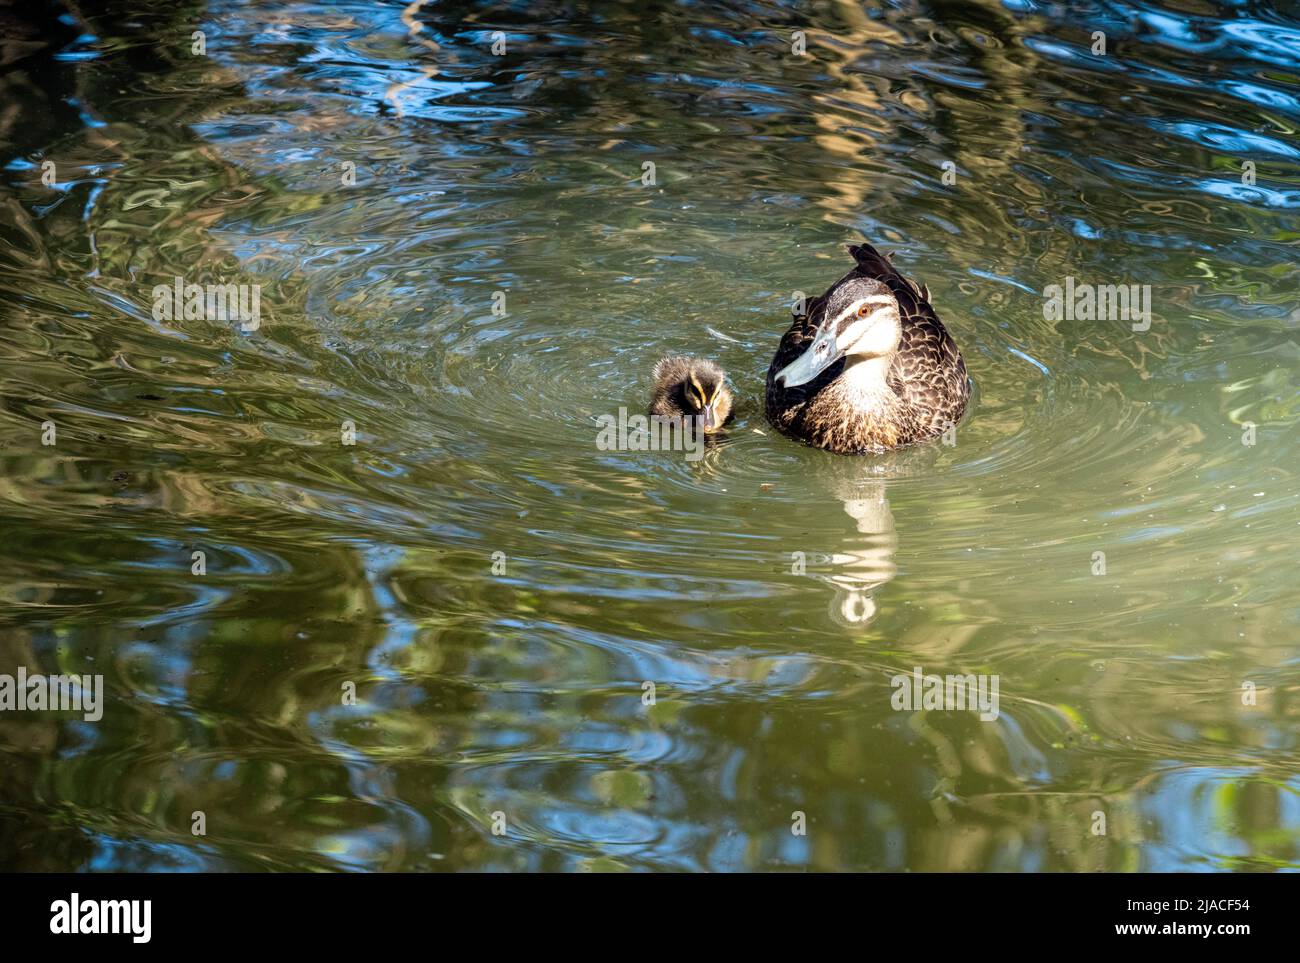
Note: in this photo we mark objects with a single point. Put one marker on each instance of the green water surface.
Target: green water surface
(1112, 532)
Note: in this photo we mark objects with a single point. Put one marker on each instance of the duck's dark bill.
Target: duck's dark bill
(821, 354)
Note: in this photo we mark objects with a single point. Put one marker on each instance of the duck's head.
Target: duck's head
(699, 388)
(861, 321)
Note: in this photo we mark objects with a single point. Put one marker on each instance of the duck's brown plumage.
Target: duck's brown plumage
(927, 376)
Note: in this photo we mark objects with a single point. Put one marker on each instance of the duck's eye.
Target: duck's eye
(864, 310)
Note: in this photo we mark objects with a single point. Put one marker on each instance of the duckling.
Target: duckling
(691, 388)
(869, 366)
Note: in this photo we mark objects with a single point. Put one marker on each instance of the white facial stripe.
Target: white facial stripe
(881, 302)
(860, 332)
(854, 331)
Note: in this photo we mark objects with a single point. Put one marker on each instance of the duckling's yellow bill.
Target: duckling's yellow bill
(821, 354)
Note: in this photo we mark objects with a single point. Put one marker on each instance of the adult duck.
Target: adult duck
(868, 366)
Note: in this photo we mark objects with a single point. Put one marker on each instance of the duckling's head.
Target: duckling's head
(693, 387)
(861, 321)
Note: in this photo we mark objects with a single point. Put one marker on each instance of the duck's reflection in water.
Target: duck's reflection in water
(865, 560)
